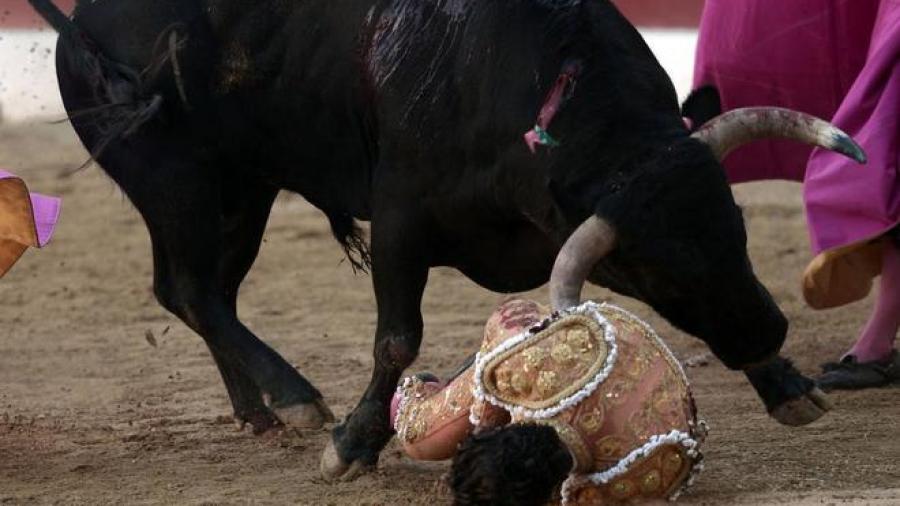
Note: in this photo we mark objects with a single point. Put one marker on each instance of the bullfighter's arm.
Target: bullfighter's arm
(432, 419)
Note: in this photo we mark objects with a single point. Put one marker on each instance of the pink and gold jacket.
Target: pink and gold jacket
(597, 374)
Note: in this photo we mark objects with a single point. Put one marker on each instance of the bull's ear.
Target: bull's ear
(702, 105)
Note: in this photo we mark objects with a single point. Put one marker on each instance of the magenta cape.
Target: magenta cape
(836, 59)
(26, 219)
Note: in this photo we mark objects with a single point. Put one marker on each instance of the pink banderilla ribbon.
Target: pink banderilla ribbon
(561, 91)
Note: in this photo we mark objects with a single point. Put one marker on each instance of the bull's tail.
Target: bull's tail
(55, 17)
(119, 104)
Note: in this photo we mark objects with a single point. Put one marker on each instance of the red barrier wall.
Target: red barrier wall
(18, 14)
(650, 13)
(662, 13)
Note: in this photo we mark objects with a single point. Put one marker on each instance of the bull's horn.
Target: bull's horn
(590, 242)
(731, 130)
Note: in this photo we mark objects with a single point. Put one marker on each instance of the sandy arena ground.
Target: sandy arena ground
(92, 413)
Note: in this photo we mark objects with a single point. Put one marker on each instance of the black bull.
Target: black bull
(409, 114)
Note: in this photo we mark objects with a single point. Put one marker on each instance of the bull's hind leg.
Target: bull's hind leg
(247, 204)
(244, 224)
(246, 398)
(205, 224)
(205, 218)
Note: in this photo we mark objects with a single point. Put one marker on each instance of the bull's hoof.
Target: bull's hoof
(803, 410)
(333, 467)
(260, 421)
(305, 416)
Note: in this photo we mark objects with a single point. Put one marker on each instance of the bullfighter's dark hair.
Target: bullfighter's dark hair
(517, 465)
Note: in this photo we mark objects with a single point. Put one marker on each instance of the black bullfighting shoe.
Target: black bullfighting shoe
(849, 374)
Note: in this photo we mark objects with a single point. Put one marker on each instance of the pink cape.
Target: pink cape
(28, 219)
(836, 59)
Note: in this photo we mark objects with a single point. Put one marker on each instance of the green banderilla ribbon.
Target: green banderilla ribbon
(544, 137)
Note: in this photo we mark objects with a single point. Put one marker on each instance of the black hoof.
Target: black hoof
(802, 410)
(334, 468)
(790, 398)
(355, 445)
(260, 421)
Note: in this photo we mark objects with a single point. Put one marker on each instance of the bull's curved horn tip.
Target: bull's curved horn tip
(846, 146)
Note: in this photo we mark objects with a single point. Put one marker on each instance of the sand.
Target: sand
(91, 412)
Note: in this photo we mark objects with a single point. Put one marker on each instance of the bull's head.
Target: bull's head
(674, 237)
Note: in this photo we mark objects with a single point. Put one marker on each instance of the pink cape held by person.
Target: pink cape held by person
(843, 63)
(26, 219)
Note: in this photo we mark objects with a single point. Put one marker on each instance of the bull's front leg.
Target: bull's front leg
(399, 274)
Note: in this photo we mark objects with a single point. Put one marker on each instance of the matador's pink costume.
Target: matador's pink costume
(612, 390)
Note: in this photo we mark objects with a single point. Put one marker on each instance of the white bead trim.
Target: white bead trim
(576, 481)
(474, 419)
(589, 309)
(405, 391)
(700, 430)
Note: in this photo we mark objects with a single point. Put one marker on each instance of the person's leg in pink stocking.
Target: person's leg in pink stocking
(872, 361)
(877, 339)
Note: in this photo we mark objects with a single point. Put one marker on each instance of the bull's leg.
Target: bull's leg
(203, 243)
(205, 222)
(399, 273)
(246, 398)
(189, 282)
(244, 224)
(196, 278)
